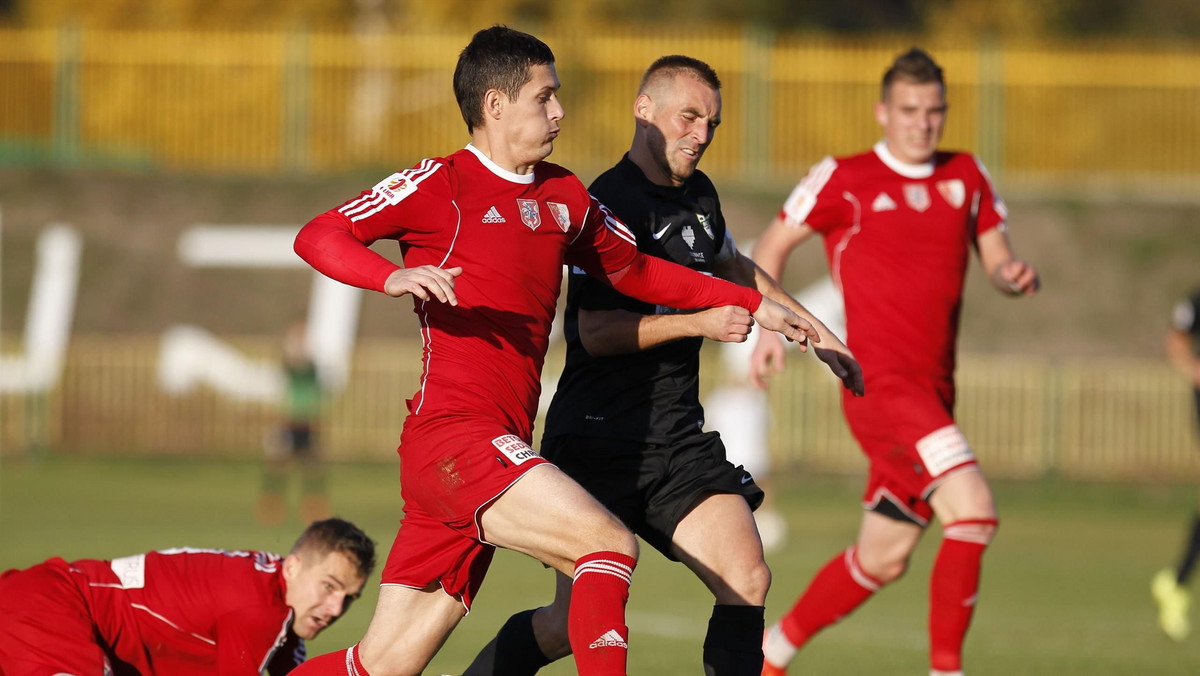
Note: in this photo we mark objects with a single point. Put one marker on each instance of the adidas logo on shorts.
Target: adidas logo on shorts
(493, 216)
(610, 639)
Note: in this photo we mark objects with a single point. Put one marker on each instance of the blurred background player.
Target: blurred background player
(484, 234)
(182, 612)
(898, 222)
(1170, 586)
(296, 439)
(626, 420)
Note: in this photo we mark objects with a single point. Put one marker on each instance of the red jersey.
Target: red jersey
(898, 239)
(181, 612)
(511, 234)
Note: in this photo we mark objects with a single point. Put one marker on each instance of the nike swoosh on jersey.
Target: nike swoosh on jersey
(660, 233)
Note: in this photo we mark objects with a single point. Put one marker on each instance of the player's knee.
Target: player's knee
(883, 567)
(622, 541)
(977, 530)
(752, 583)
(888, 570)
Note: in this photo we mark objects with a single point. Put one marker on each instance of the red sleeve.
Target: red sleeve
(248, 638)
(328, 243)
(987, 207)
(605, 249)
(816, 201)
(337, 242)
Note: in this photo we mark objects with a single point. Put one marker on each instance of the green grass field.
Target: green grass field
(1065, 589)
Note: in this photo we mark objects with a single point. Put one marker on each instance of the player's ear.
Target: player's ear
(291, 566)
(493, 103)
(881, 113)
(643, 109)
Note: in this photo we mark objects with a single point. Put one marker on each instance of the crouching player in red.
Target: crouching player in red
(179, 612)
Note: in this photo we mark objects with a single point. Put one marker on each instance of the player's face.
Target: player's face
(683, 115)
(912, 116)
(532, 118)
(319, 589)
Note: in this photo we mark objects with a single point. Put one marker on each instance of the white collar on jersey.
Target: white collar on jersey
(498, 170)
(924, 170)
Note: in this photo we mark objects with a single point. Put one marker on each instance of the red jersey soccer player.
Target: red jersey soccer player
(898, 223)
(484, 233)
(181, 612)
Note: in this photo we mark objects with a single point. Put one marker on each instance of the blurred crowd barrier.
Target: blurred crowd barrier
(1099, 117)
(1025, 417)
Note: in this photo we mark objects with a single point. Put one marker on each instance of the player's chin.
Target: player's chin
(309, 628)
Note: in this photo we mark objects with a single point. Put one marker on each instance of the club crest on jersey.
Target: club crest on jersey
(916, 195)
(514, 448)
(561, 215)
(529, 213)
(953, 191)
(703, 218)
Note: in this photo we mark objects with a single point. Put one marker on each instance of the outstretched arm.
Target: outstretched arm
(609, 332)
(828, 347)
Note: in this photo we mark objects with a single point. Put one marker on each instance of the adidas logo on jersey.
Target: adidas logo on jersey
(883, 203)
(493, 216)
(610, 639)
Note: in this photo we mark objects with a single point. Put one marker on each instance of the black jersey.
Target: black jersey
(653, 395)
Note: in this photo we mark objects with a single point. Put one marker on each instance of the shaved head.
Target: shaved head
(664, 70)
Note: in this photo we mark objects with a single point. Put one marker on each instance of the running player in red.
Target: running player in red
(899, 222)
(181, 612)
(484, 234)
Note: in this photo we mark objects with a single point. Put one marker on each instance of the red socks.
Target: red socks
(340, 663)
(596, 618)
(953, 590)
(838, 589)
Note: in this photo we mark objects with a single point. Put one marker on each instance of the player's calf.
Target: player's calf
(596, 619)
(954, 589)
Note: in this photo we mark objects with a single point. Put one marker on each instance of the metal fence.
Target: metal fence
(1100, 117)
(1093, 419)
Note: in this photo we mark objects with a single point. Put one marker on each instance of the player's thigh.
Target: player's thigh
(718, 540)
(550, 517)
(408, 628)
(963, 495)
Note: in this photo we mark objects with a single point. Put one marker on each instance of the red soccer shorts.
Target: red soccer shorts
(451, 469)
(45, 627)
(906, 429)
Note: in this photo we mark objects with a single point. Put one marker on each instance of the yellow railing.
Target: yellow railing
(1096, 116)
(1025, 417)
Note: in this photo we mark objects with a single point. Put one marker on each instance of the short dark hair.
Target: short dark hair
(496, 58)
(914, 66)
(675, 64)
(338, 535)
